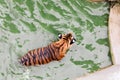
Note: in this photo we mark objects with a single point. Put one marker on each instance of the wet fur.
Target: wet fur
(54, 51)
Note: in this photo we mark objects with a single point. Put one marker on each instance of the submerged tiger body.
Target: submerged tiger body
(54, 51)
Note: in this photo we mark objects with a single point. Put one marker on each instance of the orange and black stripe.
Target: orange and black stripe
(47, 54)
(39, 56)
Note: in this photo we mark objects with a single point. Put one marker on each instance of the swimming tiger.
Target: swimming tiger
(54, 51)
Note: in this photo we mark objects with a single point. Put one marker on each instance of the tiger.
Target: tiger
(55, 51)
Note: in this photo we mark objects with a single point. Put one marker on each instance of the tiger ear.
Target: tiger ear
(60, 36)
(73, 41)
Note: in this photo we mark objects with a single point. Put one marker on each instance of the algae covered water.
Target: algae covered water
(29, 24)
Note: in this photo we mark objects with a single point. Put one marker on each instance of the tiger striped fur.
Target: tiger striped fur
(54, 51)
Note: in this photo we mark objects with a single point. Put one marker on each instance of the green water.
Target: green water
(29, 24)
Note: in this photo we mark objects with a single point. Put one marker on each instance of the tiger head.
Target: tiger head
(67, 38)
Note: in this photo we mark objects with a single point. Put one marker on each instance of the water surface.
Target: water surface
(29, 24)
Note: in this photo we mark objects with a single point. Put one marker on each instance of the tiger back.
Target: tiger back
(54, 51)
